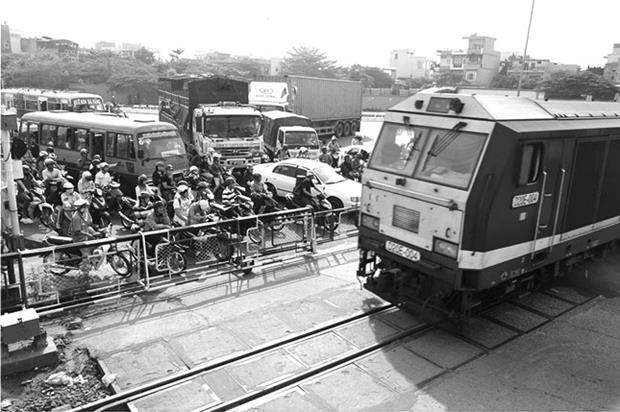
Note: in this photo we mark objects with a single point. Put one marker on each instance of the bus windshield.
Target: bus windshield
(160, 145)
(298, 139)
(224, 127)
(444, 156)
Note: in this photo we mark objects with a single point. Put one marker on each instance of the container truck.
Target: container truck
(212, 112)
(334, 106)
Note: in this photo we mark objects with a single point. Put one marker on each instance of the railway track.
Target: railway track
(357, 338)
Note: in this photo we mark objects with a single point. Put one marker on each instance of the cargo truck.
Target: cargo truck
(212, 112)
(285, 128)
(333, 106)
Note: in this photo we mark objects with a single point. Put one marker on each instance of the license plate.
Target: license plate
(402, 251)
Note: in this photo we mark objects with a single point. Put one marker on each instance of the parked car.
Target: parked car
(280, 179)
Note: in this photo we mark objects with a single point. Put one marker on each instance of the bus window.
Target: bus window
(80, 139)
(110, 144)
(54, 106)
(96, 143)
(61, 138)
(124, 146)
(48, 135)
(33, 132)
(31, 105)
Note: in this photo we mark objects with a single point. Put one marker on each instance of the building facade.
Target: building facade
(536, 69)
(406, 64)
(478, 64)
(611, 71)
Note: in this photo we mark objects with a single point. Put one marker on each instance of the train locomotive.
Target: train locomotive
(468, 198)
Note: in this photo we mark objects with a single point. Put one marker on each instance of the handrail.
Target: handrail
(542, 199)
(557, 207)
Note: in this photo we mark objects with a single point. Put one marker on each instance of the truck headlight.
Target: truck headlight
(443, 247)
(370, 222)
(355, 199)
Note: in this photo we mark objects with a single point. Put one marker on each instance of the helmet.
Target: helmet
(169, 167)
(80, 202)
(204, 205)
(285, 147)
(159, 203)
(256, 176)
(210, 150)
(48, 162)
(160, 163)
(43, 153)
(193, 169)
(84, 151)
(142, 178)
(97, 157)
(87, 175)
(95, 162)
(52, 156)
(203, 185)
(182, 182)
(333, 138)
(182, 188)
(67, 185)
(103, 164)
(26, 168)
(216, 154)
(303, 150)
(229, 180)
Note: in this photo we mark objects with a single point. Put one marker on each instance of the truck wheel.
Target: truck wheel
(347, 129)
(338, 129)
(354, 127)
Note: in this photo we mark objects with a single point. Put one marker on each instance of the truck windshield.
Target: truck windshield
(295, 140)
(160, 145)
(444, 156)
(232, 126)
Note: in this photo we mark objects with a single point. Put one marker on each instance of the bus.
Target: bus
(26, 100)
(133, 146)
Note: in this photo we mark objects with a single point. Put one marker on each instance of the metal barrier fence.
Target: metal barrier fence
(54, 276)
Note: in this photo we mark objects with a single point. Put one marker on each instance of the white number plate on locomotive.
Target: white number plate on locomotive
(525, 200)
(402, 251)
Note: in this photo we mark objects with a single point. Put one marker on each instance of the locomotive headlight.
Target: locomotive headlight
(370, 222)
(443, 247)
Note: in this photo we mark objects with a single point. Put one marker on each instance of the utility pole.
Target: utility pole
(527, 39)
(9, 121)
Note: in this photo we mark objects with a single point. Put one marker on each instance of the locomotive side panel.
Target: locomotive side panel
(609, 205)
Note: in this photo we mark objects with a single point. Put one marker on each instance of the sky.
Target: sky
(349, 32)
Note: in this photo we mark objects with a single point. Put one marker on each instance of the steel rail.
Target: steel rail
(129, 395)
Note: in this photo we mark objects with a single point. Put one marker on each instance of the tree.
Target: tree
(417, 82)
(144, 55)
(577, 85)
(308, 61)
(176, 54)
(450, 79)
(44, 70)
(370, 76)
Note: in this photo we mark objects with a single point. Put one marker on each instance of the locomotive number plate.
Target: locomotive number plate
(525, 200)
(402, 251)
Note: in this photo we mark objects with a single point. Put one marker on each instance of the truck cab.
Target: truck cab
(231, 129)
(296, 137)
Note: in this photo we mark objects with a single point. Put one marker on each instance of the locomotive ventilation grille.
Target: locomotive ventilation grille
(407, 219)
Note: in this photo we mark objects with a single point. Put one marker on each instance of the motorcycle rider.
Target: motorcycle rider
(325, 157)
(167, 185)
(51, 172)
(346, 168)
(103, 177)
(94, 165)
(283, 153)
(86, 184)
(302, 193)
(24, 195)
(142, 209)
(81, 228)
(142, 187)
(198, 212)
(181, 204)
(156, 220)
(159, 174)
(334, 150)
(84, 162)
(68, 199)
(40, 165)
(357, 163)
(258, 192)
(203, 191)
(229, 194)
(193, 177)
(303, 153)
(217, 169)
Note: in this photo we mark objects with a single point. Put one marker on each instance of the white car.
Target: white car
(280, 179)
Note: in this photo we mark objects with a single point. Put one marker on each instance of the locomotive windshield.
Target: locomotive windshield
(444, 156)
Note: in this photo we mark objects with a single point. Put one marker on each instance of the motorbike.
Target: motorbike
(269, 205)
(65, 260)
(326, 217)
(41, 209)
(99, 209)
(132, 216)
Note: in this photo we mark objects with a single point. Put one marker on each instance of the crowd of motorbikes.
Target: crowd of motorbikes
(47, 206)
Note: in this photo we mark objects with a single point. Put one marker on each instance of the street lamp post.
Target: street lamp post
(527, 38)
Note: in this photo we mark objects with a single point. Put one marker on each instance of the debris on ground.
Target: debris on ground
(73, 381)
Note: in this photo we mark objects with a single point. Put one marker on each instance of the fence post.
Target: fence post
(312, 233)
(146, 259)
(22, 280)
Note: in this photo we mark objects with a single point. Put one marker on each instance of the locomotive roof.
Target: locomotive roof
(502, 108)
